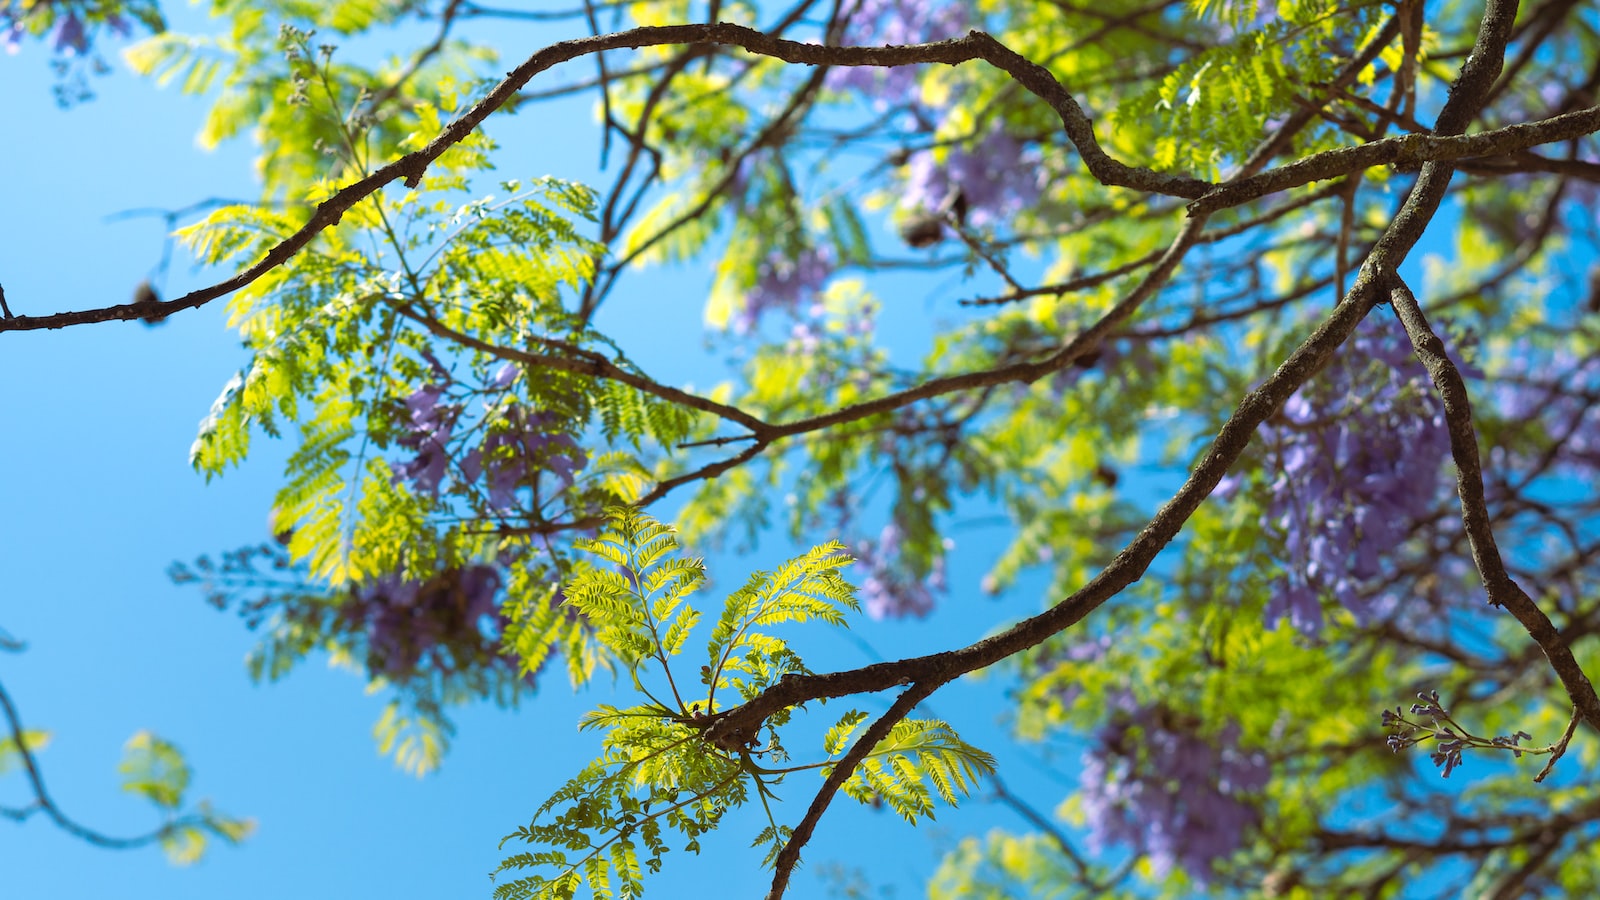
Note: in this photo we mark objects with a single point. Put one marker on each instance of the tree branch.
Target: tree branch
(1130, 564)
(411, 167)
(789, 856)
(1126, 568)
(1498, 583)
(1404, 150)
(44, 803)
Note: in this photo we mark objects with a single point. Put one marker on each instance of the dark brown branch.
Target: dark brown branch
(585, 362)
(789, 856)
(1560, 746)
(1532, 162)
(1404, 150)
(1130, 564)
(411, 167)
(1498, 583)
(1126, 568)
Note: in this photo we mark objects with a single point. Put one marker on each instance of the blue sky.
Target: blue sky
(97, 497)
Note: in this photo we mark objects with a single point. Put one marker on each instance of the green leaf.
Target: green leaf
(33, 740)
(155, 769)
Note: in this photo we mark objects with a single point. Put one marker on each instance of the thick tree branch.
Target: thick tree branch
(1405, 150)
(1126, 568)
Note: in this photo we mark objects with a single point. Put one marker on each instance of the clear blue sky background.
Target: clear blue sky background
(96, 497)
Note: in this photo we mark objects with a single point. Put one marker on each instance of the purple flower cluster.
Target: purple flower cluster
(1562, 393)
(997, 177)
(518, 444)
(1450, 739)
(511, 455)
(427, 436)
(888, 23)
(1153, 782)
(69, 25)
(889, 590)
(783, 281)
(443, 618)
(1357, 455)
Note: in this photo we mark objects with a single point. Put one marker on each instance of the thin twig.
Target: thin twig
(44, 803)
(789, 856)
(1561, 745)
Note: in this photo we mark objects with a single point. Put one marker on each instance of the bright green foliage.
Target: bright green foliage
(918, 751)
(467, 310)
(344, 350)
(656, 775)
(417, 742)
(33, 740)
(999, 866)
(267, 76)
(156, 770)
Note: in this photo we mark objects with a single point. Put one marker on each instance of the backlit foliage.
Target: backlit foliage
(942, 306)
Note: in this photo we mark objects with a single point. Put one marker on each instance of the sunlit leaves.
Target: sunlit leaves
(32, 740)
(655, 772)
(155, 769)
(807, 587)
(1000, 865)
(433, 356)
(309, 112)
(417, 742)
(918, 760)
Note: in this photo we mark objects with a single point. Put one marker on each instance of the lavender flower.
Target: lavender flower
(503, 376)
(72, 27)
(890, 22)
(997, 177)
(69, 38)
(513, 454)
(431, 426)
(517, 445)
(889, 590)
(1358, 454)
(1153, 782)
(782, 281)
(442, 617)
(1450, 739)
